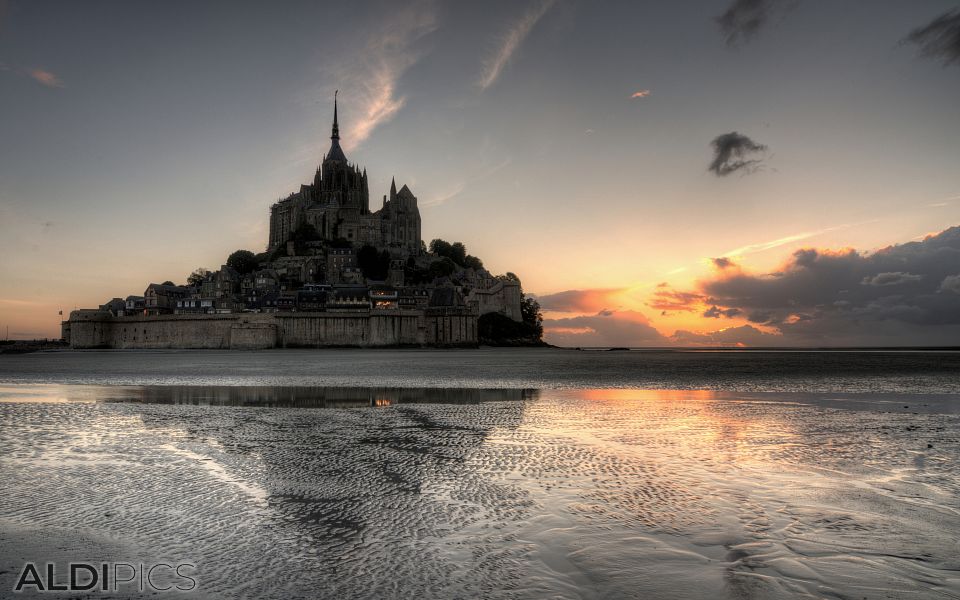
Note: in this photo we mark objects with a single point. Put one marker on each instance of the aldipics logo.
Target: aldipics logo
(107, 577)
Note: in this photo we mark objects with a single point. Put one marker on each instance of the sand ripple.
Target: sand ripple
(571, 494)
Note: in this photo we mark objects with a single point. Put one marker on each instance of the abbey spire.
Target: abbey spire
(335, 153)
(335, 133)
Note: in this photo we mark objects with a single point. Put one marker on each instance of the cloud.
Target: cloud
(723, 263)
(715, 312)
(940, 38)
(46, 78)
(951, 283)
(744, 335)
(583, 301)
(461, 186)
(743, 20)
(41, 76)
(899, 295)
(604, 329)
(789, 239)
(368, 76)
(666, 298)
(640, 94)
(511, 42)
(730, 152)
(890, 278)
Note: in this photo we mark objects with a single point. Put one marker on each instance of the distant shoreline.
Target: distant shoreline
(29, 346)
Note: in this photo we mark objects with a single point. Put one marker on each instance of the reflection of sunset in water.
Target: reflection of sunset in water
(675, 423)
(500, 493)
(656, 395)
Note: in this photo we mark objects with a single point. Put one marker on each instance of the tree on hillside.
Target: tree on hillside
(374, 265)
(530, 311)
(441, 248)
(441, 268)
(456, 252)
(198, 275)
(242, 261)
(472, 262)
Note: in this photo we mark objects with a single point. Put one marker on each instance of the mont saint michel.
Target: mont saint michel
(511, 300)
(334, 273)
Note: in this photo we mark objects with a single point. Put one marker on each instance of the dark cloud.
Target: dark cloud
(743, 20)
(939, 39)
(723, 262)
(890, 278)
(903, 294)
(604, 329)
(715, 312)
(762, 317)
(950, 283)
(730, 152)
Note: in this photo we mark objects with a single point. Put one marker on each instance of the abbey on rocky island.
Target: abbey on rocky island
(333, 274)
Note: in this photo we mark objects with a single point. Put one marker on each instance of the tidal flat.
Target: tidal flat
(527, 480)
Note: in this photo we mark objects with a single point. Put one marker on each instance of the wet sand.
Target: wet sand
(541, 368)
(571, 493)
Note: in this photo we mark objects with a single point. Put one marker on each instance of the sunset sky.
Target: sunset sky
(570, 142)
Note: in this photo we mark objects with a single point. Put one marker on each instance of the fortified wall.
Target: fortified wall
(248, 331)
(503, 297)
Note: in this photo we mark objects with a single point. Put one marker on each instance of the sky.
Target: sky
(749, 172)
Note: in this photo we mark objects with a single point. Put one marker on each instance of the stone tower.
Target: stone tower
(337, 207)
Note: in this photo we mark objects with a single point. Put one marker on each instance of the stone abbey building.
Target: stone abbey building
(337, 206)
(333, 274)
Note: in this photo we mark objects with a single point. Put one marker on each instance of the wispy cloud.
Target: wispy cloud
(46, 78)
(940, 38)
(41, 76)
(461, 186)
(744, 19)
(450, 194)
(368, 77)
(760, 247)
(15, 302)
(640, 94)
(944, 202)
(511, 42)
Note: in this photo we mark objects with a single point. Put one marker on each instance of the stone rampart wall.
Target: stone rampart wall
(96, 329)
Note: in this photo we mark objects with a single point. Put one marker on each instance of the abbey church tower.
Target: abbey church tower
(337, 207)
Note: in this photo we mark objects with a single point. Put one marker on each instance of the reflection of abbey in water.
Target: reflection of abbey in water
(312, 397)
(334, 273)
